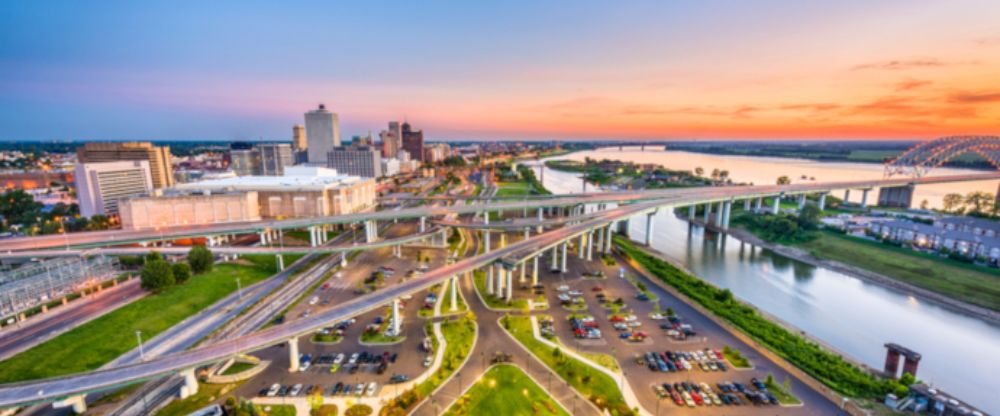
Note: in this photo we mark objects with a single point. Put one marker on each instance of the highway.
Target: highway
(119, 237)
(41, 390)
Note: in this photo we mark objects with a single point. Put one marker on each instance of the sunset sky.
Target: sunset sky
(512, 70)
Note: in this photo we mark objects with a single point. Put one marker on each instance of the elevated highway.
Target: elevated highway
(638, 204)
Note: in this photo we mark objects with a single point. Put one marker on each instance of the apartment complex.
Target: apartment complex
(158, 158)
(100, 186)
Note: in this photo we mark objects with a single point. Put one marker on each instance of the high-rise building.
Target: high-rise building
(299, 141)
(274, 157)
(100, 186)
(322, 134)
(413, 142)
(159, 158)
(391, 139)
(365, 162)
(436, 152)
(245, 162)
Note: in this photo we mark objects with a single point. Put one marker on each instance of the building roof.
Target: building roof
(956, 235)
(296, 178)
(971, 222)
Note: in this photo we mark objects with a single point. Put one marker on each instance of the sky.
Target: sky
(701, 69)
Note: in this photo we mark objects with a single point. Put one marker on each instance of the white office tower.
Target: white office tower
(100, 186)
(322, 134)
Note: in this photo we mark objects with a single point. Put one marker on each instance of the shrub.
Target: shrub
(358, 410)
(182, 272)
(157, 275)
(200, 259)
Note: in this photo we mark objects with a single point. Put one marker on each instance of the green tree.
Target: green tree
(809, 217)
(153, 255)
(979, 202)
(200, 258)
(952, 202)
(157, 275)
(182, 272)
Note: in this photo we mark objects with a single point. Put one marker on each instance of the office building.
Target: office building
(245, 162)
(322, 134)
(159, 158)
(303, 191)
(145, 212)
(274, 157)
(299, 141)
(436, 152)
(390, 167)
(413, 142)
(391, 140)
(365, 162)
(100, 186)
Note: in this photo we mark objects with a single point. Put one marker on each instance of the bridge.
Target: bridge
(584, 227)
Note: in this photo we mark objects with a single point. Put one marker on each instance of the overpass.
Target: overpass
(507, 257)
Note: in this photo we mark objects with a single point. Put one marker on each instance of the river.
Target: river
(961, 354)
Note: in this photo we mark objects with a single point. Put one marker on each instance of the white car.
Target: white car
(354, 359)
(296, 389)
(371, 389)
(339, 359)
(575, 293)
(314, 300)
(359, 389)
(656, 317)
(273, 391)
(428, 361)
(562, 288)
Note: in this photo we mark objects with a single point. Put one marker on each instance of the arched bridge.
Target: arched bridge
(920, 159)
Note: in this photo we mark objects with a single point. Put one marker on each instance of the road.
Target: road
(681, 196)
(40, 390)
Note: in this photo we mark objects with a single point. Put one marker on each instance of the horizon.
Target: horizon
(642, 71)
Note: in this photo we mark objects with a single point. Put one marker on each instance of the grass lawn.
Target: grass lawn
(601, 389)
(459, 334)
(493, 301)
(967, 282)
(459, 301)
(238, 367)
(279, 409)
(783, 395)
(505, 390)
(207, 394)
(735, 357)
(101, 340)
(330, 338)
(509, 189)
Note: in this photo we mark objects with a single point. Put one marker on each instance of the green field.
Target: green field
(509, 189)
(505, 390)
(101, 340)
(963, 281)
(459, 334)
(493, 301)
(601, 389)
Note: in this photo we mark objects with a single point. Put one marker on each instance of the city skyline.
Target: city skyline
(694, 70)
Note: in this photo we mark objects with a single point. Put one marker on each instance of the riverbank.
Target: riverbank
(794, 253)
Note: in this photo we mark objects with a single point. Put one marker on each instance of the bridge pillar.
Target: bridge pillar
(708, 213)
(720, 213)
(802, 201)
(777, 205)
(312, 237)
(527, 233)
(864, 198)
(760, 203)
(293, 355)
(281, 262)
(499, 284)
(78, 403)
(822, 201)
(423, 224)
(691, 211)
(623, 226)
(510, 285)
(503, 239)
(896, 196)
(343, 258)
(372, 227)
(581, 247)
(847, 195)
(534, 271)
(190, 387)
(541, 217)
(454, 293)
(489, 280)
(261, 235)
(726, 209)
(607, 240)
(600, 239)
(395, 317)
(564, 269)
(486, 240)
(590, 246)
(649, 227)
(555, 259)
(746, 205)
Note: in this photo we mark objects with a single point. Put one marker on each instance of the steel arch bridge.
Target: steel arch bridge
(920, 159)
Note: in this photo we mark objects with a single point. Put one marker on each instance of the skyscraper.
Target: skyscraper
(159, 158)
(391, 139)
(299, 142)
(322, 134)
(413, 142)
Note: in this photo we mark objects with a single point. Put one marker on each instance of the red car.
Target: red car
(596, 289)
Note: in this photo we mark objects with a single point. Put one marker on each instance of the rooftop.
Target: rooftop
(296, 178)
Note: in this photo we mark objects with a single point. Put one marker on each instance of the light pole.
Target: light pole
(239, 287)
(138, 336)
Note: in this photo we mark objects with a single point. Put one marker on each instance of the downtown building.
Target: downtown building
(101, 186)
(413, 142)
(178, 209)
(362, 161)
(391, 140)
(158, 158)
(322, 134)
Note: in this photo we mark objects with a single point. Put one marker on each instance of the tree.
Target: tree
(784, 180)
(924, 204)
(200, 258)
(809, 217)
(980, 202)
(952, 202)
(157, 275)
(698, 171)
(153, 255)
(182, 272)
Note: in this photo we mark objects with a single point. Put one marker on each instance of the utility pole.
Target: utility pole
(138, 336)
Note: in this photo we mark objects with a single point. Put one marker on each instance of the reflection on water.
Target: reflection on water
(848, 314)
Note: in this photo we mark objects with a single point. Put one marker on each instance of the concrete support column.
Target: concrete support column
(691, 211)
(708, 213)
(607, 240)
(777, 205)
(510, 285)
(395, 317)
(78, 403)
(489, 280)
(864, 198)
(847, 195)
(503, 239)
(649, 226)
(190, 387)
(822, 201)
(372, 228)
(590, 246)
(261, 235)
(563, 268)
(501, 280)
(527, 233)
(600, 239)
(486, 240)
(523, 272)
(555, 259)
(746, 205)
(454, 293)
(718, 215)
(580, 246)
(293, 355)
(802, 200)
(727, 209)
(760, 203)
(534, 271)
(423, 224)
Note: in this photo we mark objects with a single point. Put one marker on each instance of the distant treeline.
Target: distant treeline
(177, 147)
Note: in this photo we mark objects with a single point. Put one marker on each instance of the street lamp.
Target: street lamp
(138, 336)
(239, 287)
